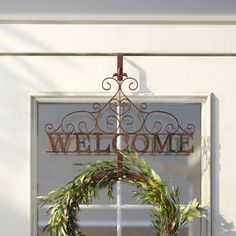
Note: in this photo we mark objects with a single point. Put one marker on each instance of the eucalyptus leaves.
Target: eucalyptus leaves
(168, 217)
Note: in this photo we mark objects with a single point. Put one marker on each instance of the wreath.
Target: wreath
(167, 218)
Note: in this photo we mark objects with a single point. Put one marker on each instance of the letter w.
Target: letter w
(63, 142)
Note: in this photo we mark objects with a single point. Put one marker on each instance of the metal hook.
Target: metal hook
(119, 74)
(119, 67)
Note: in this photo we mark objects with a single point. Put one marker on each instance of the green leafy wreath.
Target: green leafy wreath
(167, 218)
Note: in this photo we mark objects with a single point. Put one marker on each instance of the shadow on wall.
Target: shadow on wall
(142, 77)
(226, 228)
(220, 225)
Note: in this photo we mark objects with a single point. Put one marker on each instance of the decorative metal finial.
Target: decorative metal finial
(119, 74)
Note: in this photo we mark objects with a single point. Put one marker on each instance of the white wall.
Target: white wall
(201, 58)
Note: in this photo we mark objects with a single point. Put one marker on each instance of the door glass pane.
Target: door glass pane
(56, 163)
(57, 169)
(179, 167)
(98, 222)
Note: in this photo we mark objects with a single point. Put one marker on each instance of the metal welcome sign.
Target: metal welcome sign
(110, 127)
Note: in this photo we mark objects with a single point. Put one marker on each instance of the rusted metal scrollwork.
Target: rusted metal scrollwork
(136, 124)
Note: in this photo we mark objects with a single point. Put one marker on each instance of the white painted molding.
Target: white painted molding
(135, 19)
(105, 39)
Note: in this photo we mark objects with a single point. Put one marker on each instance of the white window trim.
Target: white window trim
(203, 99)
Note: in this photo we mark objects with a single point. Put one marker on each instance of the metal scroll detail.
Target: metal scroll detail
(120, 116)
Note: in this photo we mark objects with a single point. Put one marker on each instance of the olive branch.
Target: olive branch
(167, 218)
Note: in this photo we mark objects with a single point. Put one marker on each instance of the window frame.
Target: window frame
(203, 99)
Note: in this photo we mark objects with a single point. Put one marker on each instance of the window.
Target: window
(186, 165)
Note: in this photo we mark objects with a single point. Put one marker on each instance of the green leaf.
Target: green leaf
(135, 155)
(126, 152)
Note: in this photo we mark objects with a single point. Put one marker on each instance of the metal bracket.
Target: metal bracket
(119, 73)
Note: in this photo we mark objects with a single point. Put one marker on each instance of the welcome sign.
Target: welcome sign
(104, 128)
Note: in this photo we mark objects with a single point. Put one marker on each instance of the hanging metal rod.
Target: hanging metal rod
(119, 74)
